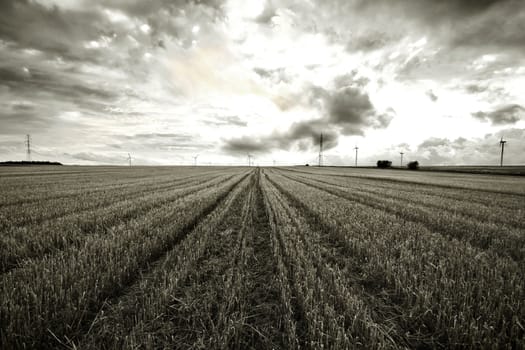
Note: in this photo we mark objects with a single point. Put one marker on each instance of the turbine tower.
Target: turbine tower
(195, 160)
(321, 150)
(356, 148)
(502, 144)
(129, 159)
(249, 159)
(401, 157)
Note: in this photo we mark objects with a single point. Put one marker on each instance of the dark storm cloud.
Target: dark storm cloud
(492, 91)
(433, 97)
(62, 32)
(432, 11)
(56, 90)
(309, 131)
(475, 88)
(276, 75)
(38, 44)
(141, 8)
(9, 75)
(476, 24)
(346, 109)
(349, 106)
(263, 73)
(269, 12)
(456, 32)
(87, 32)
(501, 26)
(368, 41)
(305, 134)
(247, 144)
(508, 114)
(52, 30)
(352, 79)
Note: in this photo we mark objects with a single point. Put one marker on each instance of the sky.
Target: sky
(168, 81)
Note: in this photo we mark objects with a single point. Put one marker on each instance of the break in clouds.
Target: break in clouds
(166, 80)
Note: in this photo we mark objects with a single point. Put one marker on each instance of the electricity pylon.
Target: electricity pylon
(28, 147)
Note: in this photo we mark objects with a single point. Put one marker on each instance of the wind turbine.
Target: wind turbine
(321, 150)
(401, 157)
(249, 159)
(502, 144)
(356, 148)
(195, 160)
(129, 159)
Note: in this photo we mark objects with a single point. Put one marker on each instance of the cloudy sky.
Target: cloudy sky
(91, 81)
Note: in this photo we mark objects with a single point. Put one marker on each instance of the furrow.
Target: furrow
(117, 259)
(22, 244)
(459, 202)
(119, 324)
(505, 242)
(422, 275)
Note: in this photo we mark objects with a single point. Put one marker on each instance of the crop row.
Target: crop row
(494, 184)
(326, 312)
(218, 289)
(425, 288)
(268, 259)
(469, 201)
(164, 317)
(58, 295)
(20, 243)
(49, 207)
(39, 190)
(507, 240)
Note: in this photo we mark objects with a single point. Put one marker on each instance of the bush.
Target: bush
(384, 164)
(413, 165)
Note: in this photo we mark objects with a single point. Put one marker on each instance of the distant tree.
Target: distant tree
(414, 165)
(384, 164)
(307, 164)
(25, 162)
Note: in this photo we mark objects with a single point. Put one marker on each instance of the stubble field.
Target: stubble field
(264, 258)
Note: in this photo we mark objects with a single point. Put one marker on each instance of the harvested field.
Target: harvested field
(263, 258)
